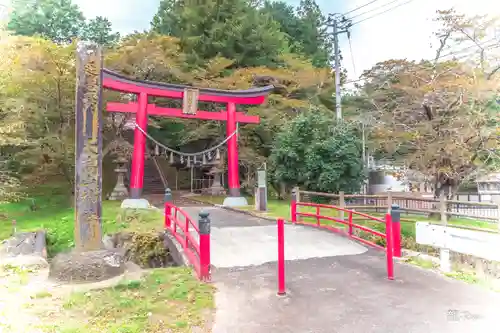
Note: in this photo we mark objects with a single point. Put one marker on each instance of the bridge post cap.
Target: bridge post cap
(203, 214)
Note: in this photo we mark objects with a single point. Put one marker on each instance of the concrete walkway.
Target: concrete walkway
(334, 285)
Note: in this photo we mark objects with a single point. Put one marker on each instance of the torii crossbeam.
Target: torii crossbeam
(190, 95)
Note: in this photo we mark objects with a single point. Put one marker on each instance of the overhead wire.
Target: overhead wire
(359, 7)
(380, 13)
(373, 9)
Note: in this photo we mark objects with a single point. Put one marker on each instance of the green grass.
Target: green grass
(55, 215)
(166, 300)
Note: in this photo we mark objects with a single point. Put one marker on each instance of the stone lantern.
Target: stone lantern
(120, 191)
(216, 188)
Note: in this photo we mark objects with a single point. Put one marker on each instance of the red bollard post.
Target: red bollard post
(167, 216)
(281, 257)
(396, 230)
(389, 249)
(168, 209)
(350, 223)
(293, 206)
(204, 227)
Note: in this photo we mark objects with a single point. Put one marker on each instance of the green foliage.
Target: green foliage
(57, 20)
(37, 86)
(315, 153)
(305, 28)
(99, 30)
(233, 29)
(60, 21)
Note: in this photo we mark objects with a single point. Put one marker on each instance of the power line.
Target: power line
(374, 9)
(383, 12)
(352, 54)
(359, 7)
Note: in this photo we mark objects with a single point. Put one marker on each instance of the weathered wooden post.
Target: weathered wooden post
(341, 204)
(88, 140)
(89, 261)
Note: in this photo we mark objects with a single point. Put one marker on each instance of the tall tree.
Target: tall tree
(99, 30)
(57, 20)
(313, 33)
(233, 29)
(439, 116)
(305, 28)
(311, 152)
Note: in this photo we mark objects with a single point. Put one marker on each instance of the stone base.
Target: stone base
(235, 202)
(135, 204)
(82, 267)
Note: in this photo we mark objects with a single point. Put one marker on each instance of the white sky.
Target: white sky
(405, 32)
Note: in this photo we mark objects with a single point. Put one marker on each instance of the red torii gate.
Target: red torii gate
(190, 95)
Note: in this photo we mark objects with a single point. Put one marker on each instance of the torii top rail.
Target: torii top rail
(190, 95)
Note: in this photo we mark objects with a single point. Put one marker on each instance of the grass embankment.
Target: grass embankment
(55, 215)
(164, 300)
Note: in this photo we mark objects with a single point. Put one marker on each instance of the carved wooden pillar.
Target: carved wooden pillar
(88, 164)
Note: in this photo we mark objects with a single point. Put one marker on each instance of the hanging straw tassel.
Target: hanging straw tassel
(204, 160)
(217, 154)
(194, 160)
(171, 158)
(188, 162)
(157, 150)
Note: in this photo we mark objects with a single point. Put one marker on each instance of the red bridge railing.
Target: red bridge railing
(194, 238)
(318, 219)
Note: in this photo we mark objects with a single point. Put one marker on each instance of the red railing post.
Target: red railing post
(204, 227)
(396, 229)
(318, 220)
(168, 208)
(350, 223)
(281, 257)
(186, 231)
(389, 249)
(293, 205)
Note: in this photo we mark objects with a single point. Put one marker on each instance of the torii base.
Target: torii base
(235, 202)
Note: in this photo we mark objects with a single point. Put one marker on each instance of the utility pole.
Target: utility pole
(338, 97)
(339, 26)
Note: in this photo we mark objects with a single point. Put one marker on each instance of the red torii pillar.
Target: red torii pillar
(142, 109)
(139, 153)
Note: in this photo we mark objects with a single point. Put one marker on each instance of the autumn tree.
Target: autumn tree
(439, 115)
